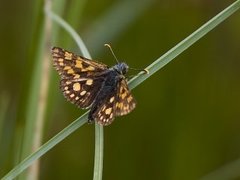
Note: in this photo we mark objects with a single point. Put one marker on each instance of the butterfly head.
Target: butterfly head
(121, 67)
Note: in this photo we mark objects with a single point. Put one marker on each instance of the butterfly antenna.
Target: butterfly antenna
(108, 45)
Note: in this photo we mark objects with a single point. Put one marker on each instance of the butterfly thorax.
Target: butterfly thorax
(121, 68)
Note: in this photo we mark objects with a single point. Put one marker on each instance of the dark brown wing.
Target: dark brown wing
(106, 112)
(81, 78)
(81, 92)
(125, 102)
(118, 103)
(69, 64)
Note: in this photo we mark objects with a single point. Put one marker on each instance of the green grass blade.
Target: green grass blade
(31, 102)
(228, 171)
(46, 147)
(70, 30)
(74, 13)
(98, 159)
(155, 66)
(186, 43)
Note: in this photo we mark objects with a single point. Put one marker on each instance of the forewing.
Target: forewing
(69, 64)
(81, 92)
(125, 102)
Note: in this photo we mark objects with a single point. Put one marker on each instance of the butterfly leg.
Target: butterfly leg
(90, 121)
(90, 118)
(90, 115)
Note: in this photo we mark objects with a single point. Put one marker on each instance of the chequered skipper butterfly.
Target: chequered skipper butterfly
(91, 84)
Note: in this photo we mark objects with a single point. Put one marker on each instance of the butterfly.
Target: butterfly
(91, 84)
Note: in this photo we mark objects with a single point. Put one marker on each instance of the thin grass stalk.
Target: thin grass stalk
(46, 147)
(98, 155)
(186, 43)
(33, 172)
(35, 53)
(58, 7)
(70, 30)
(74, 15)
(227, 171)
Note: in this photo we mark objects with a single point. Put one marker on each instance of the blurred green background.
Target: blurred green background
(187, 121)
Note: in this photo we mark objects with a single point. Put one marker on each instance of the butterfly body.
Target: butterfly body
(90, 84)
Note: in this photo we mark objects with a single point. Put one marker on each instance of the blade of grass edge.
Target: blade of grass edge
(46, 147)
(227, 171)
(186, 43)
(70, 30)
(35, 54)
(74, 14)
(155, 66)
(98, 154)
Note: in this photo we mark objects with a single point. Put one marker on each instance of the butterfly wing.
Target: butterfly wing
(69, 64)
(125, 102)
(81, 92)
(118, 103)
(105, 114)
(81, 78)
